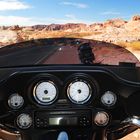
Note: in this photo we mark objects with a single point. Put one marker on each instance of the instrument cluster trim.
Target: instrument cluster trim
(47, 103)
(45, 77)
(90, 81)
(87, 99)
(63, 87)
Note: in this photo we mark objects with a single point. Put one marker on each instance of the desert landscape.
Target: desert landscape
(117, 31)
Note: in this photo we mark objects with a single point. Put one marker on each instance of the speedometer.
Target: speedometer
(79, 92)
(45, 92)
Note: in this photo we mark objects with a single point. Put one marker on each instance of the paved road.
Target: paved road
(64, 55)
(27, 56)
(40, 55)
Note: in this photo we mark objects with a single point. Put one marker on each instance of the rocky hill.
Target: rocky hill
(115, 30)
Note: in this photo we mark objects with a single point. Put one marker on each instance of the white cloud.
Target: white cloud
(110, 13)
(15, 20)
(71, 16)
(77, 5)
(12, 5)
(28, 21)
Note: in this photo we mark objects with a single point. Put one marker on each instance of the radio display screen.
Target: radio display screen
(63, 121)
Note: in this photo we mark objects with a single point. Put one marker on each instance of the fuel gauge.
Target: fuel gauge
(109, 98)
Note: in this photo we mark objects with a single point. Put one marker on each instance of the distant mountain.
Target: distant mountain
(114, 30)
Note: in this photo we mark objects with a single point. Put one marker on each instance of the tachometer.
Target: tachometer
(79, 92)
(45, 92)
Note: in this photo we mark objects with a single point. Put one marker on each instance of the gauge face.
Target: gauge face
(24, 121)
(15, 101)
(109, 98)
(79, 92)
(45, 92)
(101, 119)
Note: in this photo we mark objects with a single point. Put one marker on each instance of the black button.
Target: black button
(37, 119)
(38, 126)
(84, 124)
(37, 123)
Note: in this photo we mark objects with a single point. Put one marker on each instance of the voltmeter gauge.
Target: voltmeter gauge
(24, 121)
(15, 101)
(79, 92)
(109, 98)
(45, 92)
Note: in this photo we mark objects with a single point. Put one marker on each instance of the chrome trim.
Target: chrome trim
(135, 120)
(87, 99)
(23, 127)
(45, 103)
(109, 105)
(15, 94)
(108, 118)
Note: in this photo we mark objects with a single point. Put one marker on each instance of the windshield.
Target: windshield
(63, 51)
(51, 32)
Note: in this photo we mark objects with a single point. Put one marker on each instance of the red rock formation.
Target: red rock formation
(14, 28)
(115, 22)
(115, 30)
(136, 18)
(57, 27)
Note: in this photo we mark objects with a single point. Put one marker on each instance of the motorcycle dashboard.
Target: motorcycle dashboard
(78, 97)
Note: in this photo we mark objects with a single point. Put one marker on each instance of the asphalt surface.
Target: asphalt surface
(28, 56)
(40, 55)
(63, 55)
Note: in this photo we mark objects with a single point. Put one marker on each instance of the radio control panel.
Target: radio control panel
(76, 118)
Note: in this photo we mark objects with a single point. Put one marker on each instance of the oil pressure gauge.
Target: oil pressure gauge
(15, 101)
(109, 98)
(79, 92)
(45, 92)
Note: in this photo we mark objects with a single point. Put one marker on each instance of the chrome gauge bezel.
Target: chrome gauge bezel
(18, 107)
(114, 96)
(38, 100)
(24, 127)
(107, 118)
(90, 91)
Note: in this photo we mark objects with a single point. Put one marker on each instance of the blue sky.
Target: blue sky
(31, 12)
